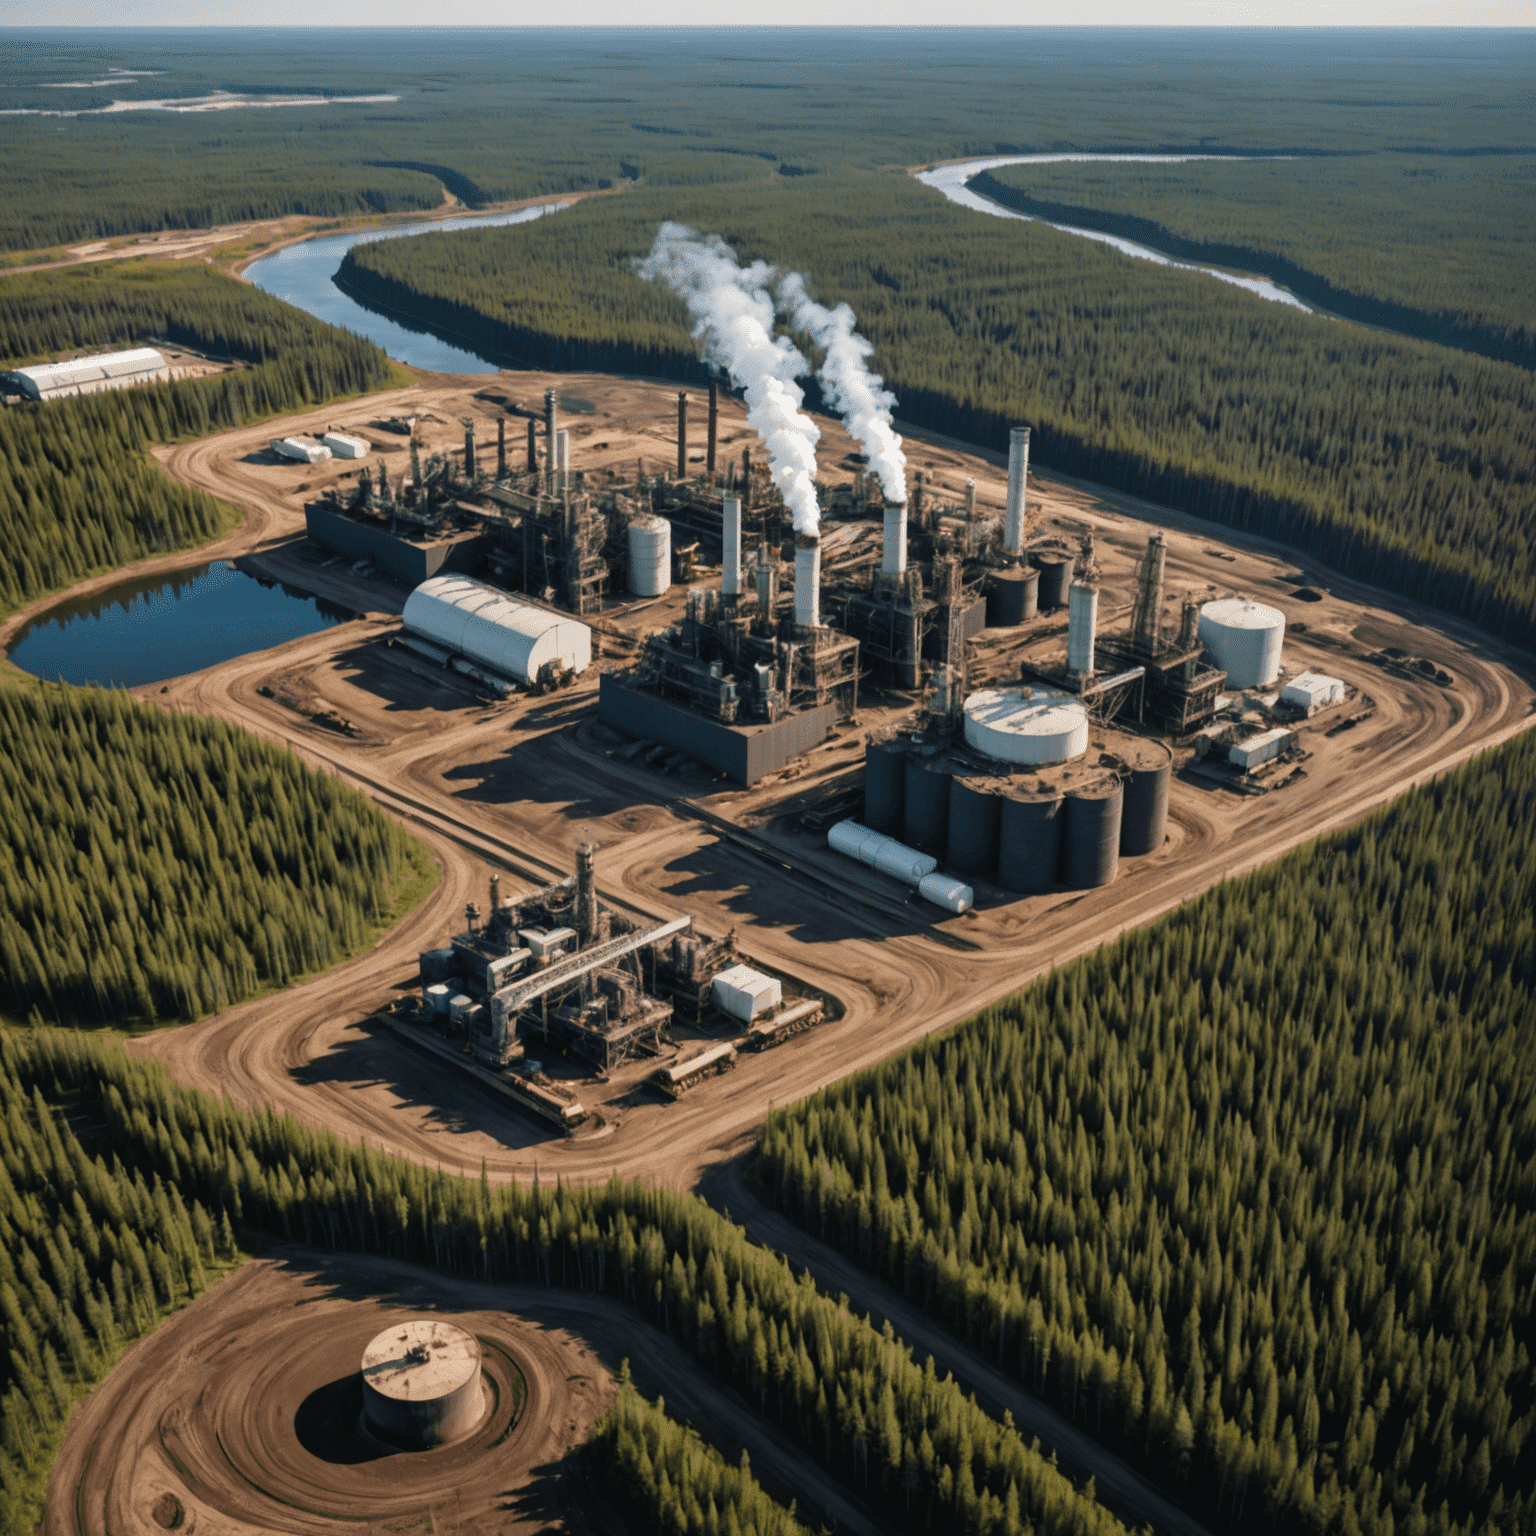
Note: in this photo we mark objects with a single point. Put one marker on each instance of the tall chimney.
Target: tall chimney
(533, 446)
(730, 560)
(563, 443)
(1146, 618)
(682, 434)
(471, 469)
(893, 556)
(714, 427)
(1083, 613)
(501, 447)
(767, 589)
(495, 894)
(551, 426)
(807, 581)
(586, 893)
(1018, 474)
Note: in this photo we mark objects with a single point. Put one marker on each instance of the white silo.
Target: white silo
(1026, 724)
(650, 556)
(421, 1384)
(1245, 637)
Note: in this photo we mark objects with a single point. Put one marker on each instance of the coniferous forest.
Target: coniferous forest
(78, 493)
(1402, 463)
(159, 866)
(1250, 1193)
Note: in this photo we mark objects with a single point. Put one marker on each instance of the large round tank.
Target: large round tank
(1090, 854)
(1054, 573)
(1026, 724)
(975, 811)
(1029, 840)
(488, 626)
(650, 556)
(1012, 596)
(885, 778)
(925, 812)
(1245, 638)
(1144, 817)
(421, 1384)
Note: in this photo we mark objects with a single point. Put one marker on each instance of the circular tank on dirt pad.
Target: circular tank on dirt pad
(885, 783)
(1245, 638)
(975, 814)
(925, 813)
(1029, 838)
(1091, 846)
(1029, 724)
(1054, 573)
(1144, 818)
(421, 1384)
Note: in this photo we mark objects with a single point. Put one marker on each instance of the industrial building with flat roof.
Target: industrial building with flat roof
(87, 375)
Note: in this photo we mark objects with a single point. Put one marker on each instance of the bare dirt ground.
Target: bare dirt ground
(513, 787)
(240, 1413)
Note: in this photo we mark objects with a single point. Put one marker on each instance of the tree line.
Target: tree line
(1398, 462)
(910, 1443)
(159, 866)
(77, 491)
(1250, 1193)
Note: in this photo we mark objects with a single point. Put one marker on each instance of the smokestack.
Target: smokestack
(807, 581)
(551, 426)
(501, 447)
(767, 589)
(563, 444)
(682, 434)
(893, 558)
(1082, 622)
(495, 894)
(730, 561)
(586, 893)
(1018, 474)
(1146, 619)
(714, 427)
(970, 501)
(533, 446)
(471, 470)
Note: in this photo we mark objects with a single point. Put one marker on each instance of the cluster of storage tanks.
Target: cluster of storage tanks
(1024, 804)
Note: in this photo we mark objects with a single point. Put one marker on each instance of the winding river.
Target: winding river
(951, 181)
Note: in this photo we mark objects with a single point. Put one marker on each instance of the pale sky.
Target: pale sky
(793, 13)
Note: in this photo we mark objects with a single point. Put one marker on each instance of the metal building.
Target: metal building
(1311, 691)
(87, 375)
(1245, 638)
(481, 622)
(421, 1384)
(1262, 748)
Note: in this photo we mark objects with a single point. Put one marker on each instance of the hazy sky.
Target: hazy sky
(1204, 13)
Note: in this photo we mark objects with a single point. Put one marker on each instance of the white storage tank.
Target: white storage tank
(1026, 724)
(421, 1384)
(344, 447)
(650, 556)
(303, 449)
(744, 993)
(1310, 691)
(488, 626)
(1245, 638)
(1260, 749)
(438, 996)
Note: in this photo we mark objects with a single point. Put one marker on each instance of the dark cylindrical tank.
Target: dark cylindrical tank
(1090, 852)
(1144, 821)
(925, 814)
(1054, 570)
(1012, 596)
(1029, 842)
(975, 812)
(885, 782)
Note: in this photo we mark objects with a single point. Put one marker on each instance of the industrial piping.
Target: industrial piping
(1018, 474)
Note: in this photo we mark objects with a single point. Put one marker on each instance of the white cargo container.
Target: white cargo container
(304, 449)
(1311, 691)
(345, 447)
(744, 993)
(1261, 749)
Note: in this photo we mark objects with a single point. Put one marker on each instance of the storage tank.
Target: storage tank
(1028, 724)
(925, 812)
(885, 780)
(488, 626)
(1029, 839)
(345, 446)
(438, 996)
(304, 449)
(650, 556)
(1144, 816)
(1012, 596)
(975, 812)
(1054, 571)
(421, 1384)
(883, 854)
(1245, 638)
(1090, 853)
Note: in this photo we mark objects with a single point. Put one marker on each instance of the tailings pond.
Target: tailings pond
(164, 626)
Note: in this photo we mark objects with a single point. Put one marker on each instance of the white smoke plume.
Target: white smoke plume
(858, 395)
(733, 317)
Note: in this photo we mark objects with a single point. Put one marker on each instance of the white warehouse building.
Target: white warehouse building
(1311, 691)
(88, 375)
(490, 627)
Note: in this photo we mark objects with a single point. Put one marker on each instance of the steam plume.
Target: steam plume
(858, 395)
(733, 317)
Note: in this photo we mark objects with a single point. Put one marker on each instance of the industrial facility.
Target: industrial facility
(421, 1385)
(86, 375)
